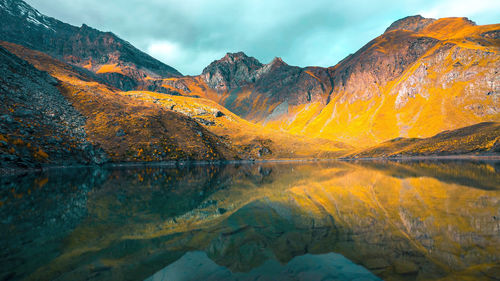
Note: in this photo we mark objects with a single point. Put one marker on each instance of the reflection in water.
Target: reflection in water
(402, 221)
(195, 266)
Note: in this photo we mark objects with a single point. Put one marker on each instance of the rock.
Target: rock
(264, 151)
(219, 114)
(23, 112)
(8, 157)
(205, 121)
(121, 133)
(7, 119)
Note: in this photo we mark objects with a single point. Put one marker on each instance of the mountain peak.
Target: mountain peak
(412, 23)
(237, 58)
(278, 61)
(231, 71)
(21, 10)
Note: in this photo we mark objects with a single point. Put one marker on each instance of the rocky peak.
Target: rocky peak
(412, 23)
(236, 58)
(24, 25)
(277, 61)
(231, 71)
(21, 10)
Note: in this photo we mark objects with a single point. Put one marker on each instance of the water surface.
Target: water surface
(365, 220)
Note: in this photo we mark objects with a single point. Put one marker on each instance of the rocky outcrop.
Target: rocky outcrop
(411, 23)
(232, 71)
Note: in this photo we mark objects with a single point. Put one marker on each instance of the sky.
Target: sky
(190, 34)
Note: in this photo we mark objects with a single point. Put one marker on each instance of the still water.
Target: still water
(417, 220)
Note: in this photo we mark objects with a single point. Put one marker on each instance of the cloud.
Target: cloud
(481, 11)
(189, 34)
(174, 54)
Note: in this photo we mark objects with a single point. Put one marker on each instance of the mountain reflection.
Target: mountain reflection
(400, 220)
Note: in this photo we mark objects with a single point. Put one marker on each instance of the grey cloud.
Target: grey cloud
(189, 34)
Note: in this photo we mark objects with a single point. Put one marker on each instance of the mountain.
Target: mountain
(110, 58)
(55, 113)
(37, 123)
(77, 95)
(421, 77)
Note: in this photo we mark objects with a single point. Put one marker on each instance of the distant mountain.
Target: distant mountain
(112, 59)
(420, 77)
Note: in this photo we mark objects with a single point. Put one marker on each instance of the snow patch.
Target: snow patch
(21, 9)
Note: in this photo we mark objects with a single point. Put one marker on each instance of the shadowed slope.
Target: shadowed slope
(113, 60)
(128, 129)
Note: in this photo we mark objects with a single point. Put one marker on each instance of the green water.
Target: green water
(417, 220)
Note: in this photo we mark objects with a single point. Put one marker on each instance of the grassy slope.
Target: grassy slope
(128, 129)
(156, 131)
(246, 138)
(446, 88)
(481, 138)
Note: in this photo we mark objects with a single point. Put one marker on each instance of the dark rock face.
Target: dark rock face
(359, 75)
(38, 125)
(232, 71)
(277, 82)
(80, 46)
(412, 23)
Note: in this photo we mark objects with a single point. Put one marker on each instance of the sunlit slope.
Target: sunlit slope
(126, 128)
(454, 83)
(483, 138)
(400, 226)
(149, 126)
(245, 138)
(409, 82)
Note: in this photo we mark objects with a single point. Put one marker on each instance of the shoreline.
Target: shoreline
(18, 171)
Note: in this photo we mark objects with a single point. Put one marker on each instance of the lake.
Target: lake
(362, 220)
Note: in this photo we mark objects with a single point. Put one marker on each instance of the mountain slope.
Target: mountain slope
(420, 77)
(114, 60)
(151, 126)
(248, 140)
(38, 125)
(126, 129)
(481, 138)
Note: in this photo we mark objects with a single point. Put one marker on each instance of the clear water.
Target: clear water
(418, 220)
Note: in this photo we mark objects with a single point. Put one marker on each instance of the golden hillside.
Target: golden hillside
(149, 126)
(405, 83)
